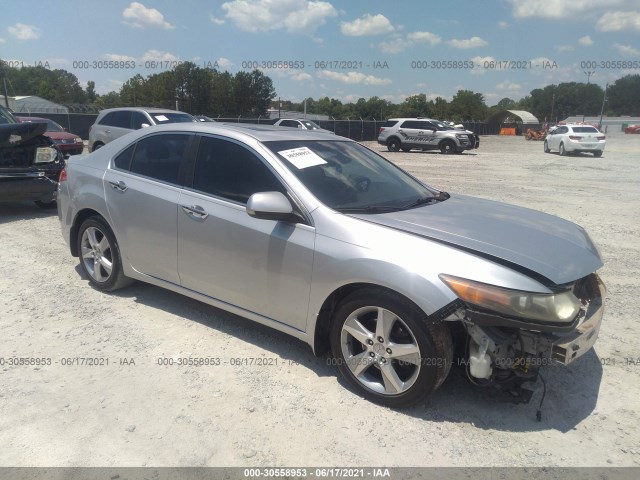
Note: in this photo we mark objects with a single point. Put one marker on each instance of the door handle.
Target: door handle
(195, 211)
(121, 186)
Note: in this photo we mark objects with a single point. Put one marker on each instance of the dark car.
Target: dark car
(68, 143)
(30, 162)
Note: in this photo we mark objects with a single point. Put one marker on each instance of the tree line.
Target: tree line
(211, 92)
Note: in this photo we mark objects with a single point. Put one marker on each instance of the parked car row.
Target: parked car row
(322, 238)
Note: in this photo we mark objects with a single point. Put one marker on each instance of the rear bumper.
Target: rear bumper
(28, 188)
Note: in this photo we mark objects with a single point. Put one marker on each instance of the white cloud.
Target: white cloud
(473, 42)
(215, 20)
(367, 25)
(508, 86)
(627, 50)
(400, 44)
(353, 78)
(503, 25)
(138, 16)
(559, 9)
(301, 77)
(564, 48)
(21, 31)
(616, 21)
(108, 86)
(159, 56)
(224, 62)
(118, 58)
(296, 16)
(2, 40)
(585, 41)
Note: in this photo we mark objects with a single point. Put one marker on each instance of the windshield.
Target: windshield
(346, 176)
(310, 125)
(53, 127)
(441, 125)
(5, 116)
(171, 117)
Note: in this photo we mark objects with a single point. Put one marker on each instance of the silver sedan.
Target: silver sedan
(324, 239)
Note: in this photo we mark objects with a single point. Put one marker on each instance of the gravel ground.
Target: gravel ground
(292, 411)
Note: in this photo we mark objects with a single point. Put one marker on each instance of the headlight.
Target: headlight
(46, 154)
(77, 140)
(460, 135)
(553, 307)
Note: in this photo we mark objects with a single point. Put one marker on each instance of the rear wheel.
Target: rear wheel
(100, 258)
(561, 150)
(448, 147)
(388, 349)
(97, 145)
(546, 147)
(393, 145)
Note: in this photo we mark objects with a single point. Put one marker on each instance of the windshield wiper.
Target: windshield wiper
(438, 197)
(369, 209)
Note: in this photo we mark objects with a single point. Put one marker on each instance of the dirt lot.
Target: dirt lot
(292, 411)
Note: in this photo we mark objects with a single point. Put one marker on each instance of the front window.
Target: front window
(348, 177)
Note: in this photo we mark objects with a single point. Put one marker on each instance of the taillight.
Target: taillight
(574, 137)
(381, 130)
(63, 175)
(601, 137)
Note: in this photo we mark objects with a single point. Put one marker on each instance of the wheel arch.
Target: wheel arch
(80, 217)
(323, 322)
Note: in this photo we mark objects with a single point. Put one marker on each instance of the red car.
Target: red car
(632, 129)
(69, 143)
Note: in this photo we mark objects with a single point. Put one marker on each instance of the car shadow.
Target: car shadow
(15, 211)
(571, 392)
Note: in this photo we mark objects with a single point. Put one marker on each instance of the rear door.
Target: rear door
(142, 188)
(263, 266)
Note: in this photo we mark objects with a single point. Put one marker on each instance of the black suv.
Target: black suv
(30, 162)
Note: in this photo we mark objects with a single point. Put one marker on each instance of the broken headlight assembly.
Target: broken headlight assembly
(562, 307)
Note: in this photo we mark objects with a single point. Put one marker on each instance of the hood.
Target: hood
(557, 249)
(61, 135)
(12, 134)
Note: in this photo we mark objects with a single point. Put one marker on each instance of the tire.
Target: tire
(546, 147)
(597, 153)
(370, 366)
(394, 145)
(99, 254)
(447, 147)
(406, 149)
(561, 150)
(46, 205)
(96, 146)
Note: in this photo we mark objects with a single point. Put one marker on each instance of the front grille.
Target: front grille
(472, 140)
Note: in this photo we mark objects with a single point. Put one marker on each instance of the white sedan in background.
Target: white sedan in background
(301, 123)
(575, 138)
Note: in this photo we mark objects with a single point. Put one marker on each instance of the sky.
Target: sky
(341, 49)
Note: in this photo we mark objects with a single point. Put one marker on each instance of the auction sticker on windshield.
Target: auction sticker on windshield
(302, 157)
(161, 118)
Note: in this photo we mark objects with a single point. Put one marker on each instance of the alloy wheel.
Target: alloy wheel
(97, 255)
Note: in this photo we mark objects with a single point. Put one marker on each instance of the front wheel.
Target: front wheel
(597, 153)
(100, 258)
(388, 349)
(447, 147)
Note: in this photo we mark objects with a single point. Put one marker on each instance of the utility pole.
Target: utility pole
(604, 99)
(4, 81)
(553, 100)
(584, 109)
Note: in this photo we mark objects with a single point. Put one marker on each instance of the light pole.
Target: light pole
(604, 99)
(588, 74)
(553, 100)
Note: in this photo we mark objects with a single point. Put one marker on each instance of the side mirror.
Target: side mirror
(144, 125)
(270, 206)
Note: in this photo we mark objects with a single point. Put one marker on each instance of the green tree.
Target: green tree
(467, 105)
(624, 95)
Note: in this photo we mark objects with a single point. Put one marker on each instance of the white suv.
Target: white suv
(425, 134)
(115, 122)
(575, 138)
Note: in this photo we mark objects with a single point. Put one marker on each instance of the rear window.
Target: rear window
(390, 123)
(584, 129)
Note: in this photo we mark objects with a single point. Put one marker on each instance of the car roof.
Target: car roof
(413, 118)
(19, 118)
(259, 132)
(141, 109)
